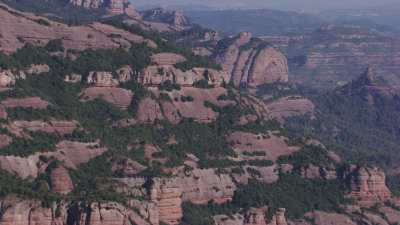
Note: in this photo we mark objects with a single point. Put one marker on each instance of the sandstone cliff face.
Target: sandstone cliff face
(25, 212)
(368, 185)
(174, 18)
(61, 181)
(290, 106)
(252, 62)
(19, 128)
(166, 58)
(253, 216)
(113, 7)
(156, 75)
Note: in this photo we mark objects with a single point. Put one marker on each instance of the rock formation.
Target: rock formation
(290, 106)
(18, 28)
(252, 62)
(7, 78)
(61, 181)
(156, 75)
(29, 102)
(174, 18)
(368, 185)
(101, 79)
(5, 140)
(263, 146)
(60, 128)
(166, 58)
(118, 97)
(37, 69)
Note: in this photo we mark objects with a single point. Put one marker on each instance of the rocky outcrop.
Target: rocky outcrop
(3, 112)
(290, 106)
(5, 140)
(25, 212)
(251, 146)
(57, 127)
(18, 28)
(73, 78)
(324, 218)
(7, 78)
(72, 154)
(156, 75)
(368, 185)
(29, 102)
(61, 181)
(124, 74)
(173, 107)
(101, 79)
(252, 62)
(167, 58)
(118, 97)
(37, 69)
(174, 18)
(113, 7)
(253, 216)
(168, 196)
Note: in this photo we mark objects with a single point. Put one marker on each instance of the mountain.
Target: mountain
(260, 22)
(334, 54)
(119, 121)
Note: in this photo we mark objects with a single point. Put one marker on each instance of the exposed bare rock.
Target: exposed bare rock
(156, 75)
(374, 219)
(253, 62)
(126, 167)
(279, 217)
(324, 218)
(168, 195)
(149, 110)
(25, 212)
(392, 215)
(72, 154)
(175, 109)
(5, 140)
(118, 97)
(265, 146)
(29, 102)
(202, 51)
(263, 174)
(53, 127)
(7, 78)
(73, 78)
(61, 181)
(102, 79)
(290, 106)
(125, 74)
(206, 185)
(166, 58)
(255, 216)
(174, 18)
(316, 172)
(235, 219)
(368, 185)
(37, 69)
(18, 28)
(3, 112)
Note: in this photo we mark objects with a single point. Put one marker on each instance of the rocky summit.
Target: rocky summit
(113, 116)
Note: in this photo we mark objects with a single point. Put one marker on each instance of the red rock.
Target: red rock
(3, 112)
(290, 106)
(102, 79)
(53, 127)
(368, 185)
(5, 140)
(118, 97)
(61, 181)
(37, 69)
(167, 58)
(29, 102)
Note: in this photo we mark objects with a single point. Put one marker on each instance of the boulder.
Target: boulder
(7, 78)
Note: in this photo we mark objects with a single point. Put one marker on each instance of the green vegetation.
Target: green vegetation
(24, 147)
(309, 154)
(292, 192)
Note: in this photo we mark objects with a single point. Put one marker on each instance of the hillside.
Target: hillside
(120, 121)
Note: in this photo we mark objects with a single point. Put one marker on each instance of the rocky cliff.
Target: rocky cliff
(251, 62)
